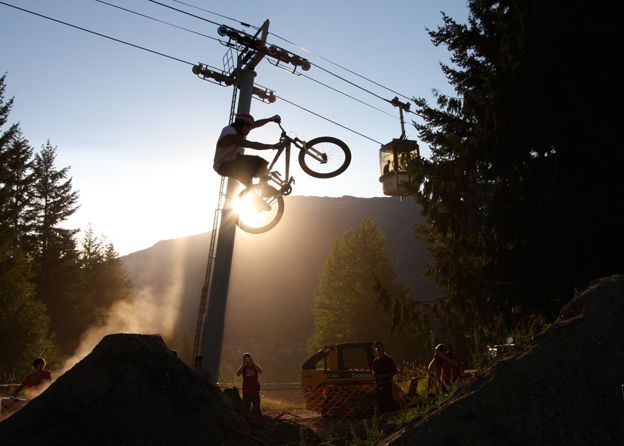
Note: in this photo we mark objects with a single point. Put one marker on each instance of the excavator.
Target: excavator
(338, 381)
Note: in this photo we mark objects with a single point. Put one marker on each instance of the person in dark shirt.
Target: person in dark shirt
(202, 372)
(384, 369)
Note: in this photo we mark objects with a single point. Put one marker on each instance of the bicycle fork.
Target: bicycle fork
(311, 152)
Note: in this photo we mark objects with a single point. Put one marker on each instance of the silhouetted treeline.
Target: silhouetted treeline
(52, 287)
(523, 191)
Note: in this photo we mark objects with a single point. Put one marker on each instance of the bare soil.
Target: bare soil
(562, 388)
(131, 390)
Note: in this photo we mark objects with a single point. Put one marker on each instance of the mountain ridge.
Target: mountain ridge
(274, 275)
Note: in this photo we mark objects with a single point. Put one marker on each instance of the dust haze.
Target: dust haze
(155, 310)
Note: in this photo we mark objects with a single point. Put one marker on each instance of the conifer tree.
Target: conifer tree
(522, 187)
(54, 250)
(105, 277)
(345, 307)
(24, 324)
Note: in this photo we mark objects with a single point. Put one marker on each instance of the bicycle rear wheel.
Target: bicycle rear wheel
(255, 217)
(334, 155)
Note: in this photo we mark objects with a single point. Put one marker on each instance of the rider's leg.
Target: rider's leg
(266, 189)
(244, 169)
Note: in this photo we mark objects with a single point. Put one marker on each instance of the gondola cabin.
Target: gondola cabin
(393, 160)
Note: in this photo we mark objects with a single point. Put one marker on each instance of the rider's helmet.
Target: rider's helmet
(244, 118)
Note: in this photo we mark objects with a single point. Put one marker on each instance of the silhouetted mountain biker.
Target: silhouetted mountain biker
(230, 162)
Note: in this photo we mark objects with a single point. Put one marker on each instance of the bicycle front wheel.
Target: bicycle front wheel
(258, 214)
(326, 157)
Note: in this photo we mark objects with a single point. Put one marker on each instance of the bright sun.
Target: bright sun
(255, 213)
(245, 207)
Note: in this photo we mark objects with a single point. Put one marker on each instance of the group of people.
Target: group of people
(37, 381)
(384, 369)
(251, 384)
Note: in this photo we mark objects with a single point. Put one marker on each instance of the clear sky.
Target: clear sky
(138, 129)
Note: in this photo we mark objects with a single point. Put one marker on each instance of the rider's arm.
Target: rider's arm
(261, 122)
(240, 141)
(447, 358)
(18, 390)
(432, 365)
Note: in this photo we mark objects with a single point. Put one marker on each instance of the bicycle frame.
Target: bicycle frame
(274, 175)
(322, 157)
(285, 183)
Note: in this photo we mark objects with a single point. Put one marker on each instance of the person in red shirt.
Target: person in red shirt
(36, 381)
(447, 361)
(251, 385)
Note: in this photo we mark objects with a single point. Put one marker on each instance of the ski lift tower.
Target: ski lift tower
(212, 341)
(211, 317)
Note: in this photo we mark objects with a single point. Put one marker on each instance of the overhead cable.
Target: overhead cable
(327, 119)
(217, 14)
(340, 66)
(178, 60)
(157, 20)
(98, 34)
(213, 38)
(300, 47)
(355, 99)
(184, 12)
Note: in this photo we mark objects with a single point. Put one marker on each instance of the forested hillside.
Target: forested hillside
(275, 275)
(53, 285)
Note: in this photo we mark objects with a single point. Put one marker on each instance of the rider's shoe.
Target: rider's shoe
(259, 203)
(268, 191)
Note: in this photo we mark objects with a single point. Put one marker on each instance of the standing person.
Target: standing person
(230, 162)
(201, 371)
(447, 361)
(384, 369)
(251, 385)
(36, 381)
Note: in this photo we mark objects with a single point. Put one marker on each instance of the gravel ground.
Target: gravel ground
(562, 388)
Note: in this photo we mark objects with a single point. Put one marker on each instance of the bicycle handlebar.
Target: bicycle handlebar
(284, 137)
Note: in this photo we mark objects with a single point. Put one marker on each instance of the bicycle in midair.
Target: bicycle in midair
(324, 157)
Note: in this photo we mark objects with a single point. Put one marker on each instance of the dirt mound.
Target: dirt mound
(131, 390)
(562, 388)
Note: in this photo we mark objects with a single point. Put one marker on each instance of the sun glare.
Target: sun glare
(253, 212)
(246, 208)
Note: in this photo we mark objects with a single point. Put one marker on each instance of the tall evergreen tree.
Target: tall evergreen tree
(56, 258)
(15, 175)
(105, 278)
(52, 202)
(521, 191)
(345, 308)
(23, 320)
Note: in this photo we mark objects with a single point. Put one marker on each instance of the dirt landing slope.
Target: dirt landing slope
(563, 388)
(131, 390)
